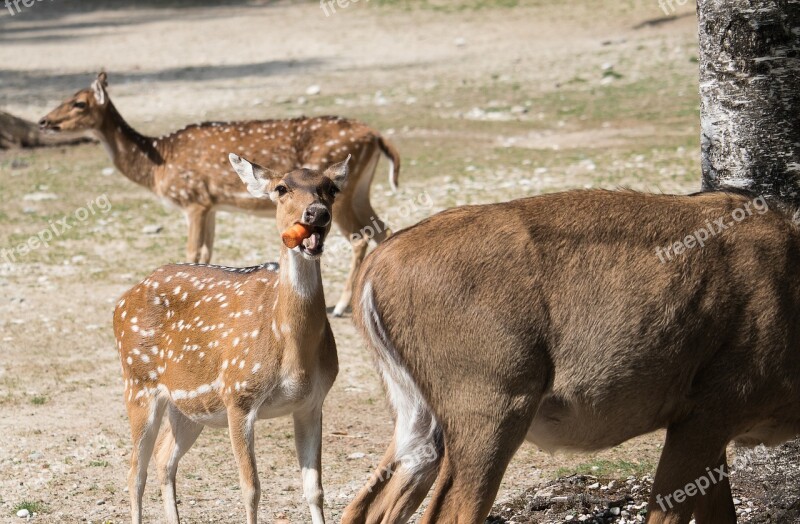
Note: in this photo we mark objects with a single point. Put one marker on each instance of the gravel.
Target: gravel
(766, 490)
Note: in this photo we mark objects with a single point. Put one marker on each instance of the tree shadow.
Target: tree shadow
(51, 85)
(45, 16)
(655, 22)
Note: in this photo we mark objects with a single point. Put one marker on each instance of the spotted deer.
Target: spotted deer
(554, 319)
(188, 169)
(218, 346)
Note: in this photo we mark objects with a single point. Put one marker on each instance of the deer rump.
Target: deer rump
(557, 311)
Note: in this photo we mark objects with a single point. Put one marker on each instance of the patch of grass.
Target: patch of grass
(609, 469)
(31, 506)
(38, 400)
(99, 463)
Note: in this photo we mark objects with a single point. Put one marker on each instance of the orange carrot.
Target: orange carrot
(295, 234)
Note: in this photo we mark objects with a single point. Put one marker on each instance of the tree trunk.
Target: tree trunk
(16, 132)
(750, 95)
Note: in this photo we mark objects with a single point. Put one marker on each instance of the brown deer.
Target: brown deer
(217, 346)
(558, 319)
(188, 169)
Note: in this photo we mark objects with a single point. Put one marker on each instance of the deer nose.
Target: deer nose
(317, 215)
(44, 122)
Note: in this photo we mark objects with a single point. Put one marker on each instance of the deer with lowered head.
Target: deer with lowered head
(188, 169)
(560, 320)
(218, 346)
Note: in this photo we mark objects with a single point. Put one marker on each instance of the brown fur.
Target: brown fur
(552, 319)
(189, 168)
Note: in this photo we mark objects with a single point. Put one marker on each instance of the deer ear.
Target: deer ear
(259, 180)
(99, 89)
(338, 173)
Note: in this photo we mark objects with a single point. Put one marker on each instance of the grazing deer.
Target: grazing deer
(189, 168)
(554, 319)
(217, 346)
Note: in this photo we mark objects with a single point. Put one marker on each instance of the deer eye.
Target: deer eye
(79, 105)
(334, 191)
(281, 190)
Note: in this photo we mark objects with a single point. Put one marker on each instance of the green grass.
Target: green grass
(609, 469)
(31, 506)
(38, 400)
(99, 464)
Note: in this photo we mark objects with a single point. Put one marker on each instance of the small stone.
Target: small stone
(615, 511)
(39, 196)
(108, 171)
(356, 456)
(460, 42)
(313, 90)
(23, 513)
(594, 486)
(152, 229)
(100, 502)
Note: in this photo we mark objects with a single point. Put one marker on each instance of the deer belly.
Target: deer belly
(567, 425)
(218, 419)
(293, 395)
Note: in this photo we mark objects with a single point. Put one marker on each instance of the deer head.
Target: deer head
(301, 196)
(84, 111)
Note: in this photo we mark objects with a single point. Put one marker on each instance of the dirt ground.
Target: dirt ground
(486, 101)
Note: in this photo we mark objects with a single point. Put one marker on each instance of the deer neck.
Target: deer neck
(300, 309)
(134, 154)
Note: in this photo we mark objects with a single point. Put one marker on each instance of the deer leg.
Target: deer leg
(359, 252)
(308, 441)
(145, 420)
(396, 488)
(196, 218)
(240, 427)
(717, 504)
(690, 464)
(359, 241)
(173, 442)
(208, 238)
(474, 461)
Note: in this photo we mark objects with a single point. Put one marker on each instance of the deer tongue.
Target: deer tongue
(311, 243)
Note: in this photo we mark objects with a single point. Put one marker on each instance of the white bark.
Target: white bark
(750, 95)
